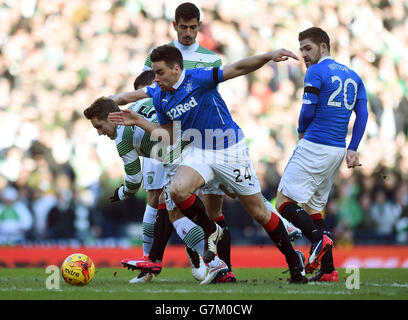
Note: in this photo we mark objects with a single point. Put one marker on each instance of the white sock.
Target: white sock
(191, 234)
(149, 218)
(193, 237)
(270, 207)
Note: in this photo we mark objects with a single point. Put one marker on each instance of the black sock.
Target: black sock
(163, 229)
(224, 245)
(193, 208)
(280, 237)
(301, 219)
(327, 264)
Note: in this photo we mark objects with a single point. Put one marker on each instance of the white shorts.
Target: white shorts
(212, 187)
(153, 174)
(230, 166)
(310, 173)
(170, 171)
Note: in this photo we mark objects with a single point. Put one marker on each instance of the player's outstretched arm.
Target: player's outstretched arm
(253, 63)
(128, 97)
(129, 117)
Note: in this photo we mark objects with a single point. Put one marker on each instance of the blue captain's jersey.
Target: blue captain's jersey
(196, 103)
(335, 91)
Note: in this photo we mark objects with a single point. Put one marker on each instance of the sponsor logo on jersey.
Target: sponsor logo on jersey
(180, 109)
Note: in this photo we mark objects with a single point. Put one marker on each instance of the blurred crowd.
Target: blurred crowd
(56, 57)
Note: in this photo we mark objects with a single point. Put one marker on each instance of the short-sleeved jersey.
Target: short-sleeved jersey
(196, 103)
(133, 142)
(194, 56)
(334, 89)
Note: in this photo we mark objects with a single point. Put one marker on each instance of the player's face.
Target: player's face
(187, 31)
(104, 127)
(311, 52)
(165, 77)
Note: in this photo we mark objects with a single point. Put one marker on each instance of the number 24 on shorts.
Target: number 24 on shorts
(246, 174)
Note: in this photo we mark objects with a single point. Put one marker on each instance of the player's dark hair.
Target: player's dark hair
(187, 11)
(144, 79)
(100, 108)
(169, 54)
(316, 35)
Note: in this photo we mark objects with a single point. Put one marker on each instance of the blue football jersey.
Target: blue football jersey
(334, 91)
(196, 103)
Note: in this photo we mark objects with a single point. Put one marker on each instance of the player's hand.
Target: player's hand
(352, 159)
(301, 135)
(116, 195)
(282, 55)
(125, 117)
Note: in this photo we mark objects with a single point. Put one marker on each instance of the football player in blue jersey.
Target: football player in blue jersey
(332, 92)
(189, 100)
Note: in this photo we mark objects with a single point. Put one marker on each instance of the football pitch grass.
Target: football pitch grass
(178, 284)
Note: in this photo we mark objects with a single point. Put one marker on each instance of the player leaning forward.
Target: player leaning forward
(131, 143)
(190, 100)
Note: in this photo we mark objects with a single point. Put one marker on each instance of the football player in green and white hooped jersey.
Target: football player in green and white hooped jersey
(132, 143)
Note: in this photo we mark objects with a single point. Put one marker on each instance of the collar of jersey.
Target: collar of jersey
(191, 48)
(180, 80)
(325, 58)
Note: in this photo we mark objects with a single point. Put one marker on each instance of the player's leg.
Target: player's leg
(163, 229)
(213, 201)
(213, 204)
(149, 219)
(153, 182)
(182, 190)
(320, 243)
(327, 271)
(307, 178)
(193, 236)
(276, 231)
(293, 232)
(238, 174)
(290, 210)
(314, 208)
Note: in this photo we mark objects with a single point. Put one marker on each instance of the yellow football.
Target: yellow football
(78, 269)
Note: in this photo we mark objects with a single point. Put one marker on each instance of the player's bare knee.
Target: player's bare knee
(281, 199)
(178, 192)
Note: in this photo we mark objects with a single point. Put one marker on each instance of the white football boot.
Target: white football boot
(143, 277)
(198, 267)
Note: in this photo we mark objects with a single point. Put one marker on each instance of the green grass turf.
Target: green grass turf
(178, 284)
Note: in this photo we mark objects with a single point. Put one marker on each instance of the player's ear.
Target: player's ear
(323, 47)
(174, 25)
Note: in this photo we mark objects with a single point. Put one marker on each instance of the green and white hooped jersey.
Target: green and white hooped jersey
(194, 56)
(133, 142)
